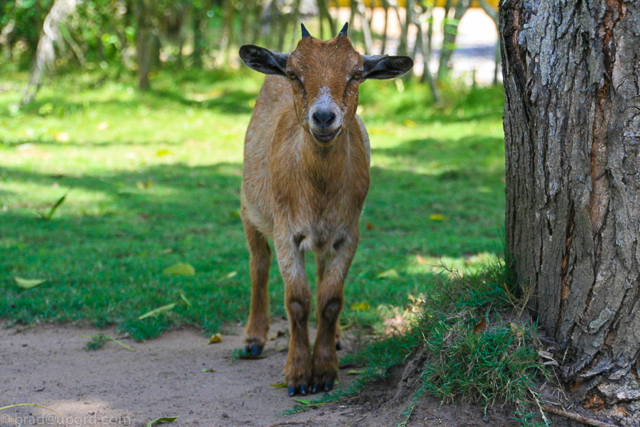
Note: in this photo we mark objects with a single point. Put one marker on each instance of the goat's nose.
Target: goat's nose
(323, 118)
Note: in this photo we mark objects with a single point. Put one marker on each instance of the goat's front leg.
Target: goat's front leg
(298, 304)
(255, 336)
(333, 266)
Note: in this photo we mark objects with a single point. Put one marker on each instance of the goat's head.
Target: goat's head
(325, 76)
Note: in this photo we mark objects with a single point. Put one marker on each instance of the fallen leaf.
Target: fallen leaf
(28, 284)
(30, 404)
(161, 420)
(363, 306)
(208, 370)
(409, 123)
(437, 217)
(185, 299)
(215, 338)
(548, 357)
(230, 275)
(517, 330)
(163, 152)
(158, 311)
(47, 216)
(179, 269)
(303, 401)
(389, 274)
(281, 385)
(370, 226)
(354, 371)
(143, 185)
(480, 326)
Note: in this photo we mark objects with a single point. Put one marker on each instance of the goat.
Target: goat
(305, 179)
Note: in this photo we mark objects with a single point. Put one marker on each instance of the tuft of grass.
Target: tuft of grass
(96, 342)
(468, 343)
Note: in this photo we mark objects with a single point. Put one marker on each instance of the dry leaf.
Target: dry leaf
(179, 269)
(389, 274)
(370, 226)
(363, 306)
(158, 311)
(481, 326)
(161, 420)
(437, 217)
(28, 284)
(163, 152)
(230, 275)
(215, 338)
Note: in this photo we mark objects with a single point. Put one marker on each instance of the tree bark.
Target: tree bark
(572, 135)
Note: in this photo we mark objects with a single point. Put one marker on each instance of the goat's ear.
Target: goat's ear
(264, 60)
(385, 67)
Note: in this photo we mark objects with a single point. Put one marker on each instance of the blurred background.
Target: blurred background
(446, 37)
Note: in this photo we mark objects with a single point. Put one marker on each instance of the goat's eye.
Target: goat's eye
(292, 75)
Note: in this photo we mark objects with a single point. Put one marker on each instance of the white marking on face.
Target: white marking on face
(325, 102)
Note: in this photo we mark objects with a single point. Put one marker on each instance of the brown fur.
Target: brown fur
(306, 195)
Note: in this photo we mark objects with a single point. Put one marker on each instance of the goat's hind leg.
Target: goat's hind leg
(255, 336)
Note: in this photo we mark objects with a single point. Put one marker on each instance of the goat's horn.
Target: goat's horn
(305, 33)
(343, 31)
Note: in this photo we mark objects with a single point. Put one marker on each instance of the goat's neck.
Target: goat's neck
(325, 164)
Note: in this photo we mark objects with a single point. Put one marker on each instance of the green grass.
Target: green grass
(153, 179)
(459, 356)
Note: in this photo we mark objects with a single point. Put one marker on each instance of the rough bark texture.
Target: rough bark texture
(572, 130)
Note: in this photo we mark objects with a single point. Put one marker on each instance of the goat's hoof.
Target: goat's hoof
(338, 345)
(253, 349)
(328, 386)
(293, 390)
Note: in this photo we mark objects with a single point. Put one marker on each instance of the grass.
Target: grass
(466, 343)
(153, 179)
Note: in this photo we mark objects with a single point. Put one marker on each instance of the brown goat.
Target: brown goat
(305, 179)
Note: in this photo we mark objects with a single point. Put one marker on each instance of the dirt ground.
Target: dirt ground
(47, 365)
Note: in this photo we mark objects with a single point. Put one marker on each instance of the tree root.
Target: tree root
(575, 417)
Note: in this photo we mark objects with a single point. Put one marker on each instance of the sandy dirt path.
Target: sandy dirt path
(48, 365)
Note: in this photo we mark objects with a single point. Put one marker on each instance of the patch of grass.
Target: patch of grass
(155, 180)
(466, 344)
(96, 342)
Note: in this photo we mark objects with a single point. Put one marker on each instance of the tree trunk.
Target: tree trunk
(449, 38)
(45, 53)
(144, 10)
(572, 135)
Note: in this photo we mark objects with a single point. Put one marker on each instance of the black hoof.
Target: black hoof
(315, 388)
(253, 349)
(338, 345)
(328, 386)
(293, 390)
